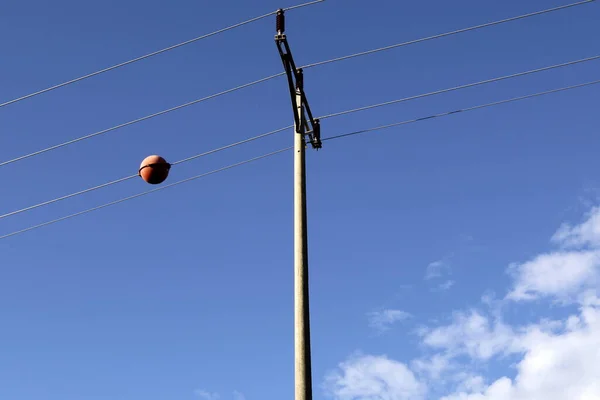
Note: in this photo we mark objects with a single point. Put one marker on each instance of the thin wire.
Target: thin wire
(310, 3)
(234, 144)
(166, 49)
(291, 126)
(135, 121)
(275, 76)
(288, 148)
(419, 96)
(441, 35)
(445, 114)
(89, 210)
(45, 203)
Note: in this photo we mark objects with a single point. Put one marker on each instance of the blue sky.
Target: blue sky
(440, 261)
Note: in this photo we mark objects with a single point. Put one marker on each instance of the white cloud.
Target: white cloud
(551, 359)
(382, 320)
(443, 287)
(585, 234)
(470, 382)
(555, 366)
(474, 335)
(373, 378)
(238, 395)
(436, 269)
(556, 274)
(206, 395)
(558, 360)
(566, 272)
(433, 367)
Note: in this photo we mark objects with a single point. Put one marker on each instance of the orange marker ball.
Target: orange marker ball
(154, 169)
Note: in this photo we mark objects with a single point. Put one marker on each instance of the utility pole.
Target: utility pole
(304, 126)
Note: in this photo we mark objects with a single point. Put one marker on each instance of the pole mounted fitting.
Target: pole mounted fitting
(280, 21)
(295, 78)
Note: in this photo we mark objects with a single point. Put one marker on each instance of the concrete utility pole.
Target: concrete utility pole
(304, 125)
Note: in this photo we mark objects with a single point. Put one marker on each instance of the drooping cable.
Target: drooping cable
(451, 33)
(112, 203)
(114, 182)
(68, 196)
(337, 114)
(135, 121)
(289, 148)
(154, 53)
(468, 85)
(462, 110)
(39, 152)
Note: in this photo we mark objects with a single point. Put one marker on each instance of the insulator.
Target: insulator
(280, 21)
(299, 79)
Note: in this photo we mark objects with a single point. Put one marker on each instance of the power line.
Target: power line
(135, 121)
(341, 113)
(89, 210)
(310, 3)
(166, 49)
(441, 35)
(45, 203)
(445, 114)
(501, 78)
(263, 135)
(288, 148)
(56, 200)
(36, 153)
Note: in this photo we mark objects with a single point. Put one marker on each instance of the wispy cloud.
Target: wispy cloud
(382, 320)
(437, 269)
(473, 334)
(558, 274)
(373, 377)
(433, 367)
(585, 234)
(550, 357)
(555, 361)
(554, 358)
(238, 395)
(443, 287)
(566, 272)
(206, 395)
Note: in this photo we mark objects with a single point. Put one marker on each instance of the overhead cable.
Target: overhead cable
(114, 182)
(310, 3)
(112, 203)
(486, 81)
(289, 148)
(282, 74)
(337, 114)
(154, 53)
(135, 121)
(462, 110)
(68, 196)
(441, 35)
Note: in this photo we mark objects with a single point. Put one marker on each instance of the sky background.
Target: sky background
(433, 268)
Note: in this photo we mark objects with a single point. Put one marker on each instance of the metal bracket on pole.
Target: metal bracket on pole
(307, 124)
